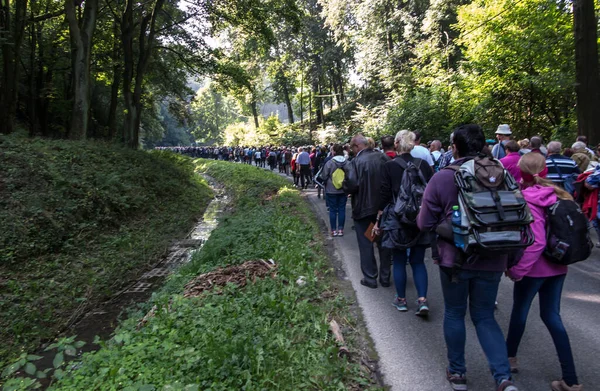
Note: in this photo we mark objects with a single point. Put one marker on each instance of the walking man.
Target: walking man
(364, 183)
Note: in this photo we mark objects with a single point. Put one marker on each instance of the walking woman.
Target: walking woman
(334, 194)
(415, 254)
(534, 275)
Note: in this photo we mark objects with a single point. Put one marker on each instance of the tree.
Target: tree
(12, 30)
(586, 70)
(81, 33)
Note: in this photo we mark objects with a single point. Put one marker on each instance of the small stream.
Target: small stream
(102, 320)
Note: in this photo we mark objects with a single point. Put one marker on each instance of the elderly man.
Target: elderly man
(363, 181)
(561, 170)
(581, 155)
(503, 135)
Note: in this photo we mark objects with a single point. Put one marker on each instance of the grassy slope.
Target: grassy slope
(272, 334)
(77, 221)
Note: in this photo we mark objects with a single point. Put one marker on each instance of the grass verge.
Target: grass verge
(272, 334)
(78, 221)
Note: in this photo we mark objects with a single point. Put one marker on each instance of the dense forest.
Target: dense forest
(176, 72)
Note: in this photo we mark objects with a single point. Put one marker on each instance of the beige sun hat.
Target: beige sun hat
(503, 129)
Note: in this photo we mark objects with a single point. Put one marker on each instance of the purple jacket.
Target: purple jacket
(440, 196)
(510, 163)
(533, 263)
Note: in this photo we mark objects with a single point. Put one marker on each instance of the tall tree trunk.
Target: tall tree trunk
(340, 81)
(81, 45)
(32, 72)
(318, 102)
(114, 88)
(11, 36)
(586, 70)
(147, 37)
(254, 113)
(288, 101)
(301, 97)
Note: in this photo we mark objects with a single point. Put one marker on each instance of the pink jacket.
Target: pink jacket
(510, 162)
(533, 263)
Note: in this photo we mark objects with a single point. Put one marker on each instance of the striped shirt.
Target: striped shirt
(560, 166)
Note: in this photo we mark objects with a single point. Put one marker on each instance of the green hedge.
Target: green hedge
(78, 220)
(270, 335)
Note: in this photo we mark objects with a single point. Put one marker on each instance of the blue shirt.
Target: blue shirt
(303, 158)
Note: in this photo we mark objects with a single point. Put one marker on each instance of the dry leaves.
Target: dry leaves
(236, 274)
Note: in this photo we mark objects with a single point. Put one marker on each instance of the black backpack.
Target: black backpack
(494, 215)
(567, 234)
(410, 196)
(398, 221)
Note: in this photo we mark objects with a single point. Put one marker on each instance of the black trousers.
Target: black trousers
(368, 263)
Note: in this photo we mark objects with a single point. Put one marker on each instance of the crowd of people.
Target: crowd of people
(374, 177)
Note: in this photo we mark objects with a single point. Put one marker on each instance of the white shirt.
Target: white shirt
(436, 155)
(422, 153)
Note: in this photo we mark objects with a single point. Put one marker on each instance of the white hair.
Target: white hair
(405, 141)
(578, 146)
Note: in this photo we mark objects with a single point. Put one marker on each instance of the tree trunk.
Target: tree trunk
(114, 88)
(302, 97)
(254, 113)
(11, 36)
(288, 102)
(147, 36)
(318, 102)
(81, 44)
(586, 70)
(32, 71)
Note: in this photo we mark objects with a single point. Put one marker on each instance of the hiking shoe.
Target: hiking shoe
(368, 284)
(400, 304)
(422, 308)
(340, 232)
(457, 381)
(507, 385)
(560, 385)
(514, 364)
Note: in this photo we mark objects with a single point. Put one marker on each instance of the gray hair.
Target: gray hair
(578, 146)
(405, 140)
(554, 147)
(536, 142)
(360, 139)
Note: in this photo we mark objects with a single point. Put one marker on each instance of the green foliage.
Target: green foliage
(79, 220)
(272, 334)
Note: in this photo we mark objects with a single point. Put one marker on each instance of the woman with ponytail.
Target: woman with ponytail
(534, 274)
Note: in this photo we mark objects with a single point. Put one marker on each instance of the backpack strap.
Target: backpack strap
(557, 169)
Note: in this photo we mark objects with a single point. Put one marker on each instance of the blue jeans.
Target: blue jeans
(416, 258)
(478, 289)
(337, 210)
(550, 290)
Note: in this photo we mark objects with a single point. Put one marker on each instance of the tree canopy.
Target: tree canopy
(124, 70)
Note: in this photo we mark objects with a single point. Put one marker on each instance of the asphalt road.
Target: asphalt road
(412, 351)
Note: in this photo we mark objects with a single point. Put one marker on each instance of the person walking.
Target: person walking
(535, 275)
(334, 194)
(391, 179)
(363, 182)
(511, 160)
(473, 285)
(503, 134)
(303, 161)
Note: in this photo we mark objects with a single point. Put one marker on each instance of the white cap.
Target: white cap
(503, 129)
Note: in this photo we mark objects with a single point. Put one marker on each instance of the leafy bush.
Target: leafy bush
(79, 220)
(272, 334)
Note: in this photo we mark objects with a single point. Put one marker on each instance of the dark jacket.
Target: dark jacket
(440, 196)
(364, 174)
(391, 177)
(396, 236)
